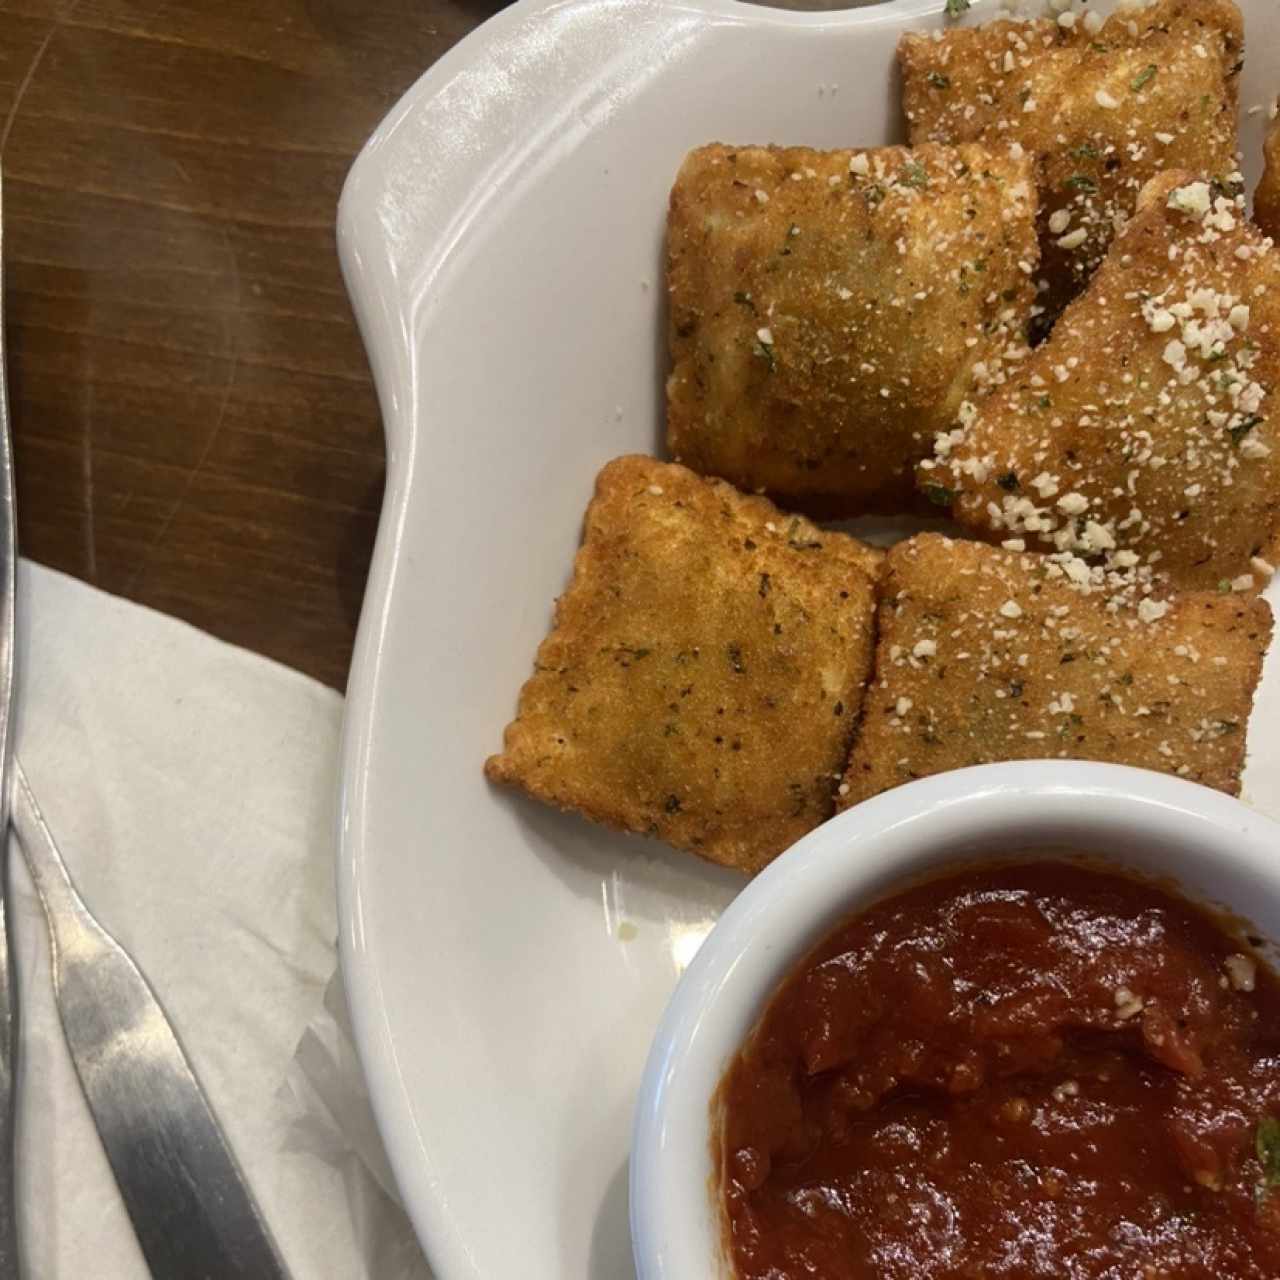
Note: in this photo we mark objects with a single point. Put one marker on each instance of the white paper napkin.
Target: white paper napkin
(191, 788)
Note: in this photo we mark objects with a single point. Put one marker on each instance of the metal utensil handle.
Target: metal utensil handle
(193, 1213)
(10, 1267)
(9, 1259)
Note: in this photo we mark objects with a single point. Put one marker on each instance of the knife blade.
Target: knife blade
(191, 1209)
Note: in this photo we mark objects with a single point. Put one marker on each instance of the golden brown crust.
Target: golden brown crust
(1146, 423)
(1172, 71)
(983, 657)
(1266, 198)
(704, 672)
(876, 288)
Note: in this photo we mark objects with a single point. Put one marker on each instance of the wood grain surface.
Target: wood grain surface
(194, 423)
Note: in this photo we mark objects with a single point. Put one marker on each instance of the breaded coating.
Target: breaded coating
(1101, 108)
(1143, 434)
(984, 657)
(705, 670)
(827, 307)
(1266, 196)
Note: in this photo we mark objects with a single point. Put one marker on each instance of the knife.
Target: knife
(9, 1268)
(191, 1209)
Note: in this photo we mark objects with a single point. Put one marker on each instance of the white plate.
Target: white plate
(501, 236)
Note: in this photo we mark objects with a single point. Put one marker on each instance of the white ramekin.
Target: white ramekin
(1217, 849)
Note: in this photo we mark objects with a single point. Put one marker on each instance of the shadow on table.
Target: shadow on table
(354, 550)
(347, 22)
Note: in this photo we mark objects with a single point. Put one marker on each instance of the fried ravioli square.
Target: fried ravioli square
(1101, 106)
(827, 308)
(984, 656)
(1144, 433)
(704, 672)
(1266, 198)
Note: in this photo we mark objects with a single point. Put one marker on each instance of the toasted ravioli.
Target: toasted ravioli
(1266, 197)
(827, 308)
(1101, 109)
(983, 656)
(1145, 430)
(705, 670)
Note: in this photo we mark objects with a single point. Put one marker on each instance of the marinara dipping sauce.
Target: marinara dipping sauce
(1019, 1071)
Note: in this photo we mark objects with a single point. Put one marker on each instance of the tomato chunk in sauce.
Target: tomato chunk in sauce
(1037, 1070)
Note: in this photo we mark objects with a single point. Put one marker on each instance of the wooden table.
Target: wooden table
(195, 427)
